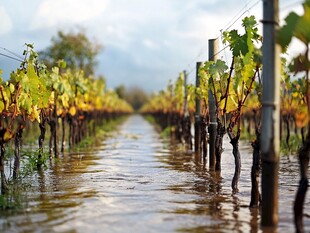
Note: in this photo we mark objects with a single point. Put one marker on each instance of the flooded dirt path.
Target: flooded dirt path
(136, 182)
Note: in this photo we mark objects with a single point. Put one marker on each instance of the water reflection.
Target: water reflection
(49, 198)
(230, 212)
(137, 182)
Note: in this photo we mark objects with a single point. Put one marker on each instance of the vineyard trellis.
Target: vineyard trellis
(35, 94)
(237, 90)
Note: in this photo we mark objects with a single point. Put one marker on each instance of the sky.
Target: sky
(145, 43)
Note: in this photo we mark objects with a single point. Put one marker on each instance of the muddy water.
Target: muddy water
(136, 182)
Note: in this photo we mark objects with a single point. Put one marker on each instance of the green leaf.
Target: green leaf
(62, 64)
(299, 64)
(285, 34)
(303, 26)
(249, 22)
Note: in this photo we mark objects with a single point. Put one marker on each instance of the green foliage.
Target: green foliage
(101, 133)
(10, 201)
(178, 93)
(34, 93)
(167, 101)
(286, 33)
(150, 119)
(32, 161)
(297, 92)
(166, 133)
(295, 142)
(75, 49)
(243, 44)
(215, 76)
(135, 96)
(298, 27)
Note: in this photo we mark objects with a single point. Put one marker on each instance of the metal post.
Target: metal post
(197, 113)
(213, 52)
(270, 143)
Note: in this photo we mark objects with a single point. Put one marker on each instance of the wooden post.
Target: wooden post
(270, 144)
(185, 94)
(197, 114)
(185, 133)
(213, 52)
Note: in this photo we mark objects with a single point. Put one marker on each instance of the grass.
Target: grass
(292, 147)
(150, 119)
(31, 161)
(101, 133)
(294, 144)
(165, 133)
(11, 200)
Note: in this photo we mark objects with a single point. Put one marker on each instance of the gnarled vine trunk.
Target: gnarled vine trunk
(255, 171)
(41, 138)
(17, 143)
(204, 139)
(186, 130)
(288, 132)
(219, 144)
(4, 185)
(303, 155)
(54, 137)
(63, 137)
(234, 141)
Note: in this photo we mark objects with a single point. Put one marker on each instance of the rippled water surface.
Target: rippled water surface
(135, 182)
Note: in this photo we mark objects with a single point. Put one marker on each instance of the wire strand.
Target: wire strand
(11, 52)
(242, 12)
(219, 52)
(13, 58)
(236, 20)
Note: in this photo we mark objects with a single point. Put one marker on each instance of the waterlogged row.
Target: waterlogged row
(236, 93)
(55, 97)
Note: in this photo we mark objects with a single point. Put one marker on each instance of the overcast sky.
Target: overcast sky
(146, 42)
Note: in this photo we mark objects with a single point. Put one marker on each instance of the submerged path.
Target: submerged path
(135, 182)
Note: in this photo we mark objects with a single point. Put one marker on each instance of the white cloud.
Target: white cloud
(150, 44)
(56, 12)
(142, 37)
(5, 22)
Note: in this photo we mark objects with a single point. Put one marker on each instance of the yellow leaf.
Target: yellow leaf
(72, 110)
(232, 105)
(301, 118)
(12, 88)
(7, 135)
(35, 114)
(1, 106)
(59, 111)
(295, 94)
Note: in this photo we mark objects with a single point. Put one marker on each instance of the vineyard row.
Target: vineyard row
(58, 97)
(228, 98)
